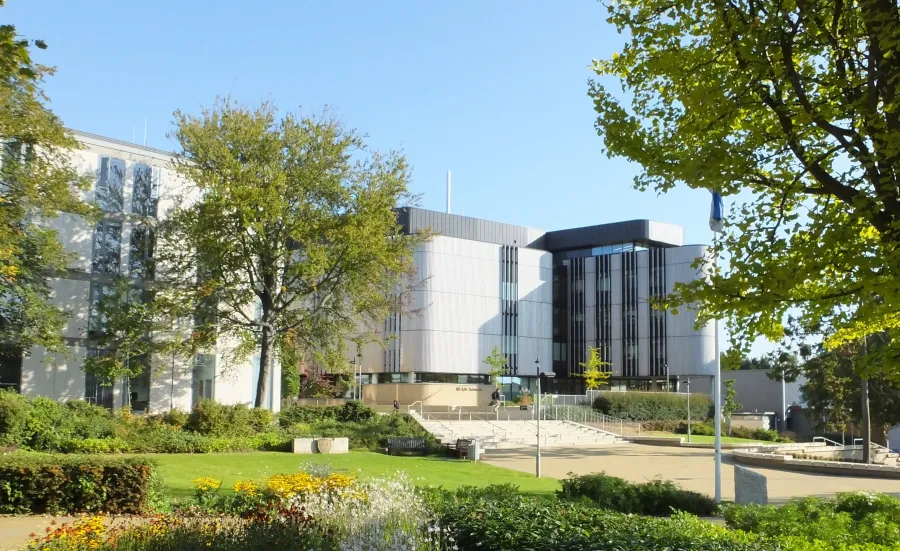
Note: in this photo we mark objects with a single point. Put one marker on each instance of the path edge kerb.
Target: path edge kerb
(834, 468)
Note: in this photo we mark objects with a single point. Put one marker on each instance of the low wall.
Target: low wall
(834, 468)
(430, 394)
(752, 420)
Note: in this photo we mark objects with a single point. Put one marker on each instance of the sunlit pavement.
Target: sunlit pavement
(691, 468)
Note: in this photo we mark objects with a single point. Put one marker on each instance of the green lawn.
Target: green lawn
(698, 439)
(179, 470)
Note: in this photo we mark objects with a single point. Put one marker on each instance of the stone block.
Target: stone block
(750, 487)
(304, 445)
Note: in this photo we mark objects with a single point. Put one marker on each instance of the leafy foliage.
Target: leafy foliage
(294, 234)
(851, 518)
(59, 484)
(497, 363)
(38, 183)
(657, 497)
(653, 406)
(594, 375)
(791, 108)
(832, 387)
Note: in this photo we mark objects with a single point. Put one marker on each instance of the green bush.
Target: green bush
(72, 484)
(857, 518)
(13, 418)
(657, 497)
(354, 411)
(95, 445)
(261, 420)
(211, 418)
(653, 406)
(306, 414)
(527, 523)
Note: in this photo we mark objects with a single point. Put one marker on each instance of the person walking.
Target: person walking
(396, 405)
(495, 399)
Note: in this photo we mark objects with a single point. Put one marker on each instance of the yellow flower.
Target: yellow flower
(249, 487)
(205, 484)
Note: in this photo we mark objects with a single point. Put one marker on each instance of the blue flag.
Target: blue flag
(717, 213)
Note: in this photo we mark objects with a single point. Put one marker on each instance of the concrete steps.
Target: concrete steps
(516, 434)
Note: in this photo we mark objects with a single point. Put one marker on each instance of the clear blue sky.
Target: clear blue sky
(494, 90)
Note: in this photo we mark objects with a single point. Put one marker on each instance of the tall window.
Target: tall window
(204, 378)
(110, 185)
(94, 392)
(96, 320)
(10, 368)
(107, 247)
(145, 193)
(140, 257)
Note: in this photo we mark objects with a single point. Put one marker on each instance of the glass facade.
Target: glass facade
(97, 320)
(110, 185)
(145, 193)
(204, 378)
(140, 256)
(107, 248)
(94, 392)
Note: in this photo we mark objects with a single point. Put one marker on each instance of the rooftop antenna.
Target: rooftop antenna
(448, 192)
(145, 130)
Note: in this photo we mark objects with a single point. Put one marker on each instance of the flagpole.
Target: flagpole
(718, 389)
(717, 224)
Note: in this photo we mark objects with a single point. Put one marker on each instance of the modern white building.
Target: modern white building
(134, 186)
(545, 299)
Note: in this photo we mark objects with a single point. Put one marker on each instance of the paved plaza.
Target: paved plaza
(692, 468)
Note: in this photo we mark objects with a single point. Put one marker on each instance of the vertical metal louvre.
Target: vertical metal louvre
(629, 315)
(658, 351)
(509, 306)
(604, 310)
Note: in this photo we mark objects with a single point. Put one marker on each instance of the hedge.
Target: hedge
(653, 406)
(73, 484)
(657, 497)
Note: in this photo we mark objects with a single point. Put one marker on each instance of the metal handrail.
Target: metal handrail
(409, 408)
(827, 441)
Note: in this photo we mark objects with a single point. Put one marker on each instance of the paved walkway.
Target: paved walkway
(692, 468)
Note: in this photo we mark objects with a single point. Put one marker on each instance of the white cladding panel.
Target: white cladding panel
(459, 318)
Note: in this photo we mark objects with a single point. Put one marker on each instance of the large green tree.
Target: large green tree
(37, 182)
(293, 239)
(794, 105)
(833, 390)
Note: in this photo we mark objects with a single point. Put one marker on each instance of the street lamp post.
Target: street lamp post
(353, 382)
(666, 366)
(359, 379)
(687, 383)
(537, 363)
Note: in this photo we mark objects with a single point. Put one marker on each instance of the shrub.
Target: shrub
(175, 418)
(94, 445)
(527, 523)
(14, 411)
(657, 497)
(355, 412)
(306, 414)
(261, 419)
(653, 406)
(54, 484)
(857, 518)
(211, 418)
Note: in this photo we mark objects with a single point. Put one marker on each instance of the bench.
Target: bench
(461, 449)
(407, 444)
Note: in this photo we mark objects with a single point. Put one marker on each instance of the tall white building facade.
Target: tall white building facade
(134, 187)
(545, 299)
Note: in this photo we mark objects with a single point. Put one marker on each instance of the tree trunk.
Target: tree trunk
(265, 351)
(866, 422)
